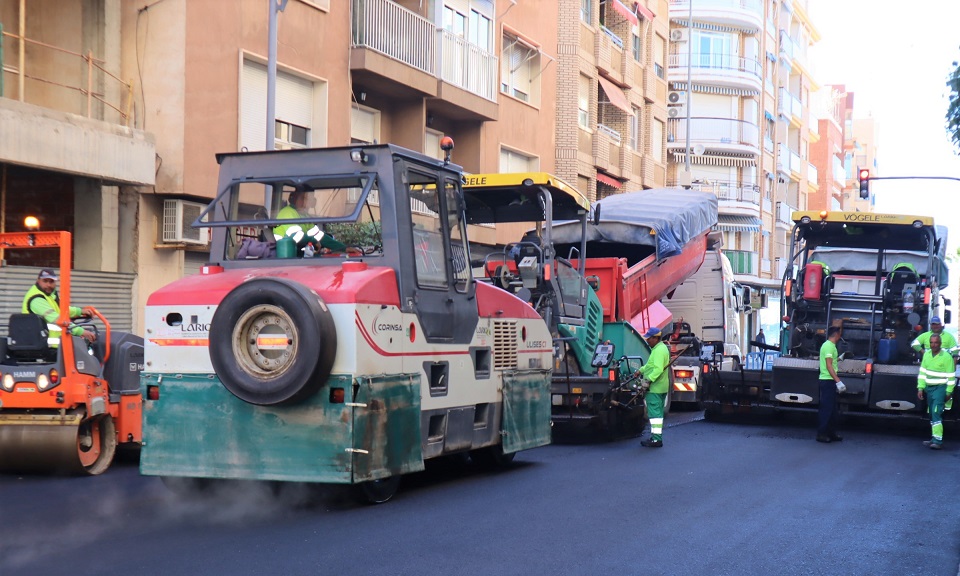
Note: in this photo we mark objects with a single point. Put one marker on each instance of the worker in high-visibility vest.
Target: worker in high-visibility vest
(947, 341)
(314, 236)
(936, 381)
(656, 374)
(43, 300)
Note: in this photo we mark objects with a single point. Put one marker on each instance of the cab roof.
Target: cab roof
(511, 197)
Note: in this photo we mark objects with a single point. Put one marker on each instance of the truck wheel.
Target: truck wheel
(491, 457)
(377, 491)
(272, 341)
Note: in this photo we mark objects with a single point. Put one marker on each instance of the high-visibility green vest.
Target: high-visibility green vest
(937, 371)
(48, 308)
(296, 231)
(655, 370)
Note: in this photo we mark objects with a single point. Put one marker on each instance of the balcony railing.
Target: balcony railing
(713, 130)
(613, 134)
(789, 105)
(749, 5)
(742, 262)
(468, 66)
(718, 61)
(390, 29)
(784, 212)
(613, 37)
(812, 174)
(729, 190)
(97, 90)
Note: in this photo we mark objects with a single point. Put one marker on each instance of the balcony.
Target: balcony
(64, 111)
(734, 198)
(467, 66)
(785, 213)
(812, 175)
(408, 56)
(717, 69)
(742, 262)
(789, 107)
(715, 134)
(746, 15)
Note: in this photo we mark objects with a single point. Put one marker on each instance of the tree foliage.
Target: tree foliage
(953, 109)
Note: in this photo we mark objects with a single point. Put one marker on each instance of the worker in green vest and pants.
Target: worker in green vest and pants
(936, 381)
(655, 373)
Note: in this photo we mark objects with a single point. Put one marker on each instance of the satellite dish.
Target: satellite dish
(698, 150)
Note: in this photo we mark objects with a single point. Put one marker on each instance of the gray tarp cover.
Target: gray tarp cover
(673, 215)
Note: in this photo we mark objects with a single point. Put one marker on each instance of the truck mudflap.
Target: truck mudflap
(386, 414)
(894, 389)
(526, 410)
(198, 429)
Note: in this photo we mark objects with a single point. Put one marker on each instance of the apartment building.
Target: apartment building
(71, 153)
(739, 123)
(611, 97)
(827, 154)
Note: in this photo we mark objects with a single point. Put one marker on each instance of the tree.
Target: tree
(953, 109)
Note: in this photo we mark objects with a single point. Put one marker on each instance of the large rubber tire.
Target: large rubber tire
(492, 457)
(247, 348)
(96, 444)
(377, 491)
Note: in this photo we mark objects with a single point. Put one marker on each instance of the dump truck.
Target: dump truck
(65, 406)
(877, 276)
(597, 280)
(347, 365)
(706, 309)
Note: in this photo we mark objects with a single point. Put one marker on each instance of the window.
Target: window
(586, 11)
(512, 161)
(658, 51)
(635, 42)
(713, 49)
(656, 140)
(431, 146)
(520, 70)
(289, 136)
(294, 112)
(583, 103)
(454, 21)
(480, 30)
(635, 129)
(364, 125)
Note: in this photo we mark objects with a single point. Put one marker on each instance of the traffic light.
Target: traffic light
(864, 177)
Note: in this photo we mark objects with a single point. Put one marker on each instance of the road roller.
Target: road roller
(65, 407)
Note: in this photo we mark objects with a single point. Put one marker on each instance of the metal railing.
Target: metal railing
(729, 190)
(613, 37)
(97, 78)
(467, 66)
(755, 6)
(742, 261)
(789, 105)
(609, 132)
(715, 130)
(784, 211)
(392, 30)
(718, 61)
(812, 174)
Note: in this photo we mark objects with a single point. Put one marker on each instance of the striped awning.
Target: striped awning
(709, 160)
(735, 223)
(716, 27)
(616, 95)
(724, 90)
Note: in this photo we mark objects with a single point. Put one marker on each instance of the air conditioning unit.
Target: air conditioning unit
(676, 97)
(678, 35)
(679, 111)
(178, 219)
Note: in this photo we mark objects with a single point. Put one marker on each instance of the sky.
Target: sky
(895, 58)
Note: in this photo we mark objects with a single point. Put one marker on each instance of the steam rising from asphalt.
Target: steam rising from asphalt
(93, 513)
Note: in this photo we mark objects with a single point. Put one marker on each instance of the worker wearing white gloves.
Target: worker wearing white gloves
(830, 385)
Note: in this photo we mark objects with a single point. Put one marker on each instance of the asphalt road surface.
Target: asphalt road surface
(737, 498)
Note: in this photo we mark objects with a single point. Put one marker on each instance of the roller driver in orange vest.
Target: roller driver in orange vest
(308, 237)
(43, 300)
